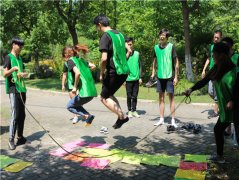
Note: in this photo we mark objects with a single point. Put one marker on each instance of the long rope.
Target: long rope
(186, 99)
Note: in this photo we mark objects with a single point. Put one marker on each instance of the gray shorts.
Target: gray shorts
(212, 91)
(165, 84)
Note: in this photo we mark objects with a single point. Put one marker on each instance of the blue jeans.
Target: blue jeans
(75, 105)
(18, 114)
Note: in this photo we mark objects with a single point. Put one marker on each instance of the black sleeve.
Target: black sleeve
(140, 68)
(70, 65)
(65, 69)
(235, 91)
(174, 53)
(7, 62)
(104, 43)
(204, 81)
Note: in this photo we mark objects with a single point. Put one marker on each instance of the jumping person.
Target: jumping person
(223, 73)
(15, 87)
(79, 77)
(210, 61)
(134, 78)
(79, 49)
(167, 64)
(114, 69)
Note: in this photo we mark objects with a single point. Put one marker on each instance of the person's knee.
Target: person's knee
(102, 99)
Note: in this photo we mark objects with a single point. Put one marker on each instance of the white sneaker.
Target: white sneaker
(160, 122)
(130, 114)
(104, 130)
(75, 120)
(135, 114)
(173, 123)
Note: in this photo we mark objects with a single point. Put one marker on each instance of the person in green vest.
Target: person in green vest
(134, 78)
(14, 75)
(83, 50)
(235, 59)
(167, 64)
(210, 61)
(223, 73)
(114, 68)
(79, 78)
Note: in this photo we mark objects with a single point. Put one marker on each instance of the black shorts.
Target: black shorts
(111, 83)
(165, 84)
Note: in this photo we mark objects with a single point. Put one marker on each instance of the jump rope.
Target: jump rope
(186, 99)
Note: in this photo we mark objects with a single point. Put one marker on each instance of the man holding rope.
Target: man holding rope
(15, 87)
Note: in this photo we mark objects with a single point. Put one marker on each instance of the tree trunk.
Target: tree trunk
(73, 33)
(188, 57)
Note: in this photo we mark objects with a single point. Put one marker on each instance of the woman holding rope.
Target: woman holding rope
(79, 77)
(224, 75)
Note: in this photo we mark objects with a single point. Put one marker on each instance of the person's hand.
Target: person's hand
(175, 81)
(63, 88)
(74, 90)
(101, 77)
(15, 68)
(21, 75)
(187, 92)
(152, 75)
(24, 75)
(229, 105)
(140, 81)
(203, 74)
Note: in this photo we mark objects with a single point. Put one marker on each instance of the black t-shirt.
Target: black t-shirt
(71, 65)
(7, 64)
(106, 45)
(65, 69)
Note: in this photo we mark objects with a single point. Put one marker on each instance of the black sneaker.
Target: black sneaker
(21, 141)
(119, 123)
(151, 82)
(89, 120)
(213, 115)
(11, 144)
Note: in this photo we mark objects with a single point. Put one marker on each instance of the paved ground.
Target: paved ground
(49, 109)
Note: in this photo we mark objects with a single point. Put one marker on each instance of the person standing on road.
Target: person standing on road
(134, 78)
(14, 75)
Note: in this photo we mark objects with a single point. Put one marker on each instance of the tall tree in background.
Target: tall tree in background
(186, 10)
(70, 12)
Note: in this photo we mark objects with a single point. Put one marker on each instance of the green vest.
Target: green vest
(224, 94)
(211, 60)
(234, 58)
(119, 53)
(19, 82)
(133, 63)
(164, 61)
(86, 84)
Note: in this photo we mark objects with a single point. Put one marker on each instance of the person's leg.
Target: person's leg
(219, 129)
(161, 104)
(129, 97)
(135, 94)
(21, 100)
(170, 90)
(74, 106)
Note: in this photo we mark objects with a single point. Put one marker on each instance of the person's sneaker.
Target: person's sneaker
(130, 114)
(135, 114)
(11, 144)
(119, 123)
(75, 120)
(173, 123)
(217, 159)
(104, 130)
(21, 141)
(151, 82)
(213, 115)
(171, 128)
(160, 122)
(89, 120)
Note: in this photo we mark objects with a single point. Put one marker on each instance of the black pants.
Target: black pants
(219, 129)
(18, 114)
(132, 90)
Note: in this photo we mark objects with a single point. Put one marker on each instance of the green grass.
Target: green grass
(144, 93)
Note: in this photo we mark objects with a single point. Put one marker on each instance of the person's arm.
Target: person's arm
(129, 51)
(176, 62)
(153, 69)
(140, 71)
(8, 70)
(77, 77)
(103, 64)
(63, 81)
(205, 67)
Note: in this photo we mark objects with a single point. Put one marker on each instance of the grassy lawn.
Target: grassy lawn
(144, 93)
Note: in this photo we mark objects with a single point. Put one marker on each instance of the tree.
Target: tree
(70, 12)
(188, 58)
